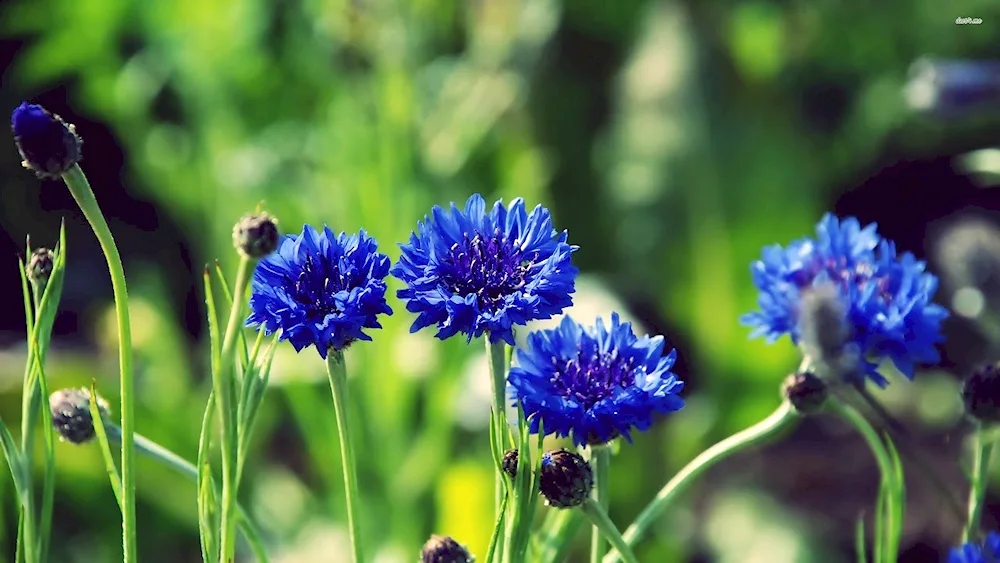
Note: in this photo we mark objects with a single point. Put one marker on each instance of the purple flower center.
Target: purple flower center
(488, 267)
(592, 376)
(318, 298)
(859, 275)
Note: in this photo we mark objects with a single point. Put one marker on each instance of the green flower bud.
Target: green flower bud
(40, 266)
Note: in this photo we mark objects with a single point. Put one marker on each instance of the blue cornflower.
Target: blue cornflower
(595, 383)
(986, 552)
(320, 289)
(476, 272)
(48, 145)
(885, 297)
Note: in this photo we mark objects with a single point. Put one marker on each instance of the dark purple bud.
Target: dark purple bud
(48, 145)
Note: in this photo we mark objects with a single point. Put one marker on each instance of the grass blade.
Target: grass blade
(897, 502)
(14, 461)
(206, 493)
(495, 538)
(213, 322)
(244, 354)
(102, 438)
(859, 540)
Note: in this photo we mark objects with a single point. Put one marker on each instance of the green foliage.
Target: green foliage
(680, 126)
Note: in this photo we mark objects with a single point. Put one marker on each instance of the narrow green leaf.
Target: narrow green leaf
(524, 485)
(255, 381)
(49, 304)
(897, 500)
(879, 532)
(207, 514)
(494, 446)
(49, 474)
(18, 549)
(244, 354)
(29, 312)
(859, 540)
(556, 538)
(495, 538)
(213, 322)
(14, 462)
(254, 387)
(102, 438)
(207, 525)
(256, 347)
(599, 518)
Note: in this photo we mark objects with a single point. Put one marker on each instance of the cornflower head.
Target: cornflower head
(885, 298)
(320, 289)
(473, 272)
(594, 383)
(48, 145)
(986, 552)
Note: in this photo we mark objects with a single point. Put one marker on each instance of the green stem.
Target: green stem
(30, 406)
(41, 387)
(600, 460)
(885, 466)
(980, 478)
(904, 437)
(78, 186)
(496, 352)
(779, 420)
(337, 370)
(224, 386)
(599, 517)
(152, 450)
(553, 543)
(30, 410)
(49, 481)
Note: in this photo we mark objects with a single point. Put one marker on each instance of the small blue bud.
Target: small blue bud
(48, 145)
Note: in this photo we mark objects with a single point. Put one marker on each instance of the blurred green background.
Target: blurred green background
(672, 140)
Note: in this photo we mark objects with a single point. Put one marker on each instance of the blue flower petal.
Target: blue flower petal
(320, 289)
(888, 295)
(596, 383)
(986, 552)
(475, 272)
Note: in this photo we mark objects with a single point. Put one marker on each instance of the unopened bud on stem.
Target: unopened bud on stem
(70, 410)
(256, 236)
(443, 549)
